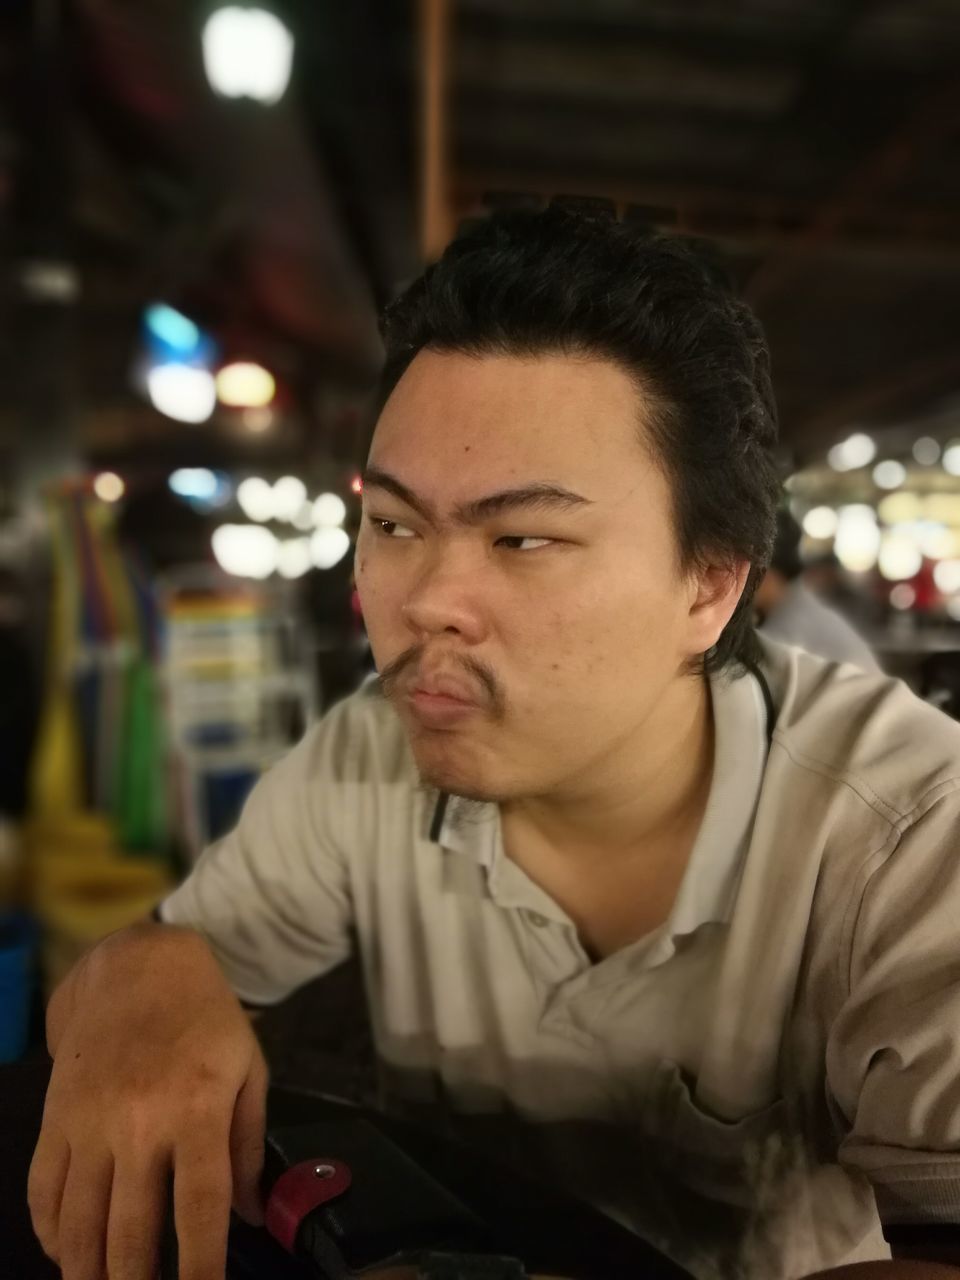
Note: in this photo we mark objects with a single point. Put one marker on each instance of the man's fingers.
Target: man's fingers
(246, 1144)
(83, 1215)
(202, 1188)
(137, 1207)
(48, 1173)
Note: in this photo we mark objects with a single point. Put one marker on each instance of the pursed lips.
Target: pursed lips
(439, 701)
(444, 687)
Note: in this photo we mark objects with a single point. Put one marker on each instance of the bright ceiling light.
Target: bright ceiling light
(942, 507)
(837, 459)
(194, 482)
(172, 328)
(247, 53)
(245, 550)
(926, 450)
(900, 508)
(899, 557)
(889, 474)
(328, 547)
(201, 488)
(820, 522)
(182, 392)
(255, 497)
(859, 450)
(951, 458)
(858, 538)
(946, 575)
(109, 487)
(936, 541)
(329, 510)
(303, 520)
(245, 385)
(856, 513)
(293, 558)
(289, 495)
(856, 451)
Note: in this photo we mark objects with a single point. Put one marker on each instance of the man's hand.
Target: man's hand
(156, 1074)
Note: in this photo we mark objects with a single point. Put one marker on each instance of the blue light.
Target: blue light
(193, 482)
(202, 488)
(172, 329)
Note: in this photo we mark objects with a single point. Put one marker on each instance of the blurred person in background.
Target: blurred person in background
(790, 612)
(672, 907)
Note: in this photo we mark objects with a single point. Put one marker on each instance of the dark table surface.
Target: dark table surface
(22, 1089)
(586, 1243)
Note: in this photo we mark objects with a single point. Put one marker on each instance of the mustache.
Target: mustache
(390, 676)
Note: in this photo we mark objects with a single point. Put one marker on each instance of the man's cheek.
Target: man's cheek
(381, 606)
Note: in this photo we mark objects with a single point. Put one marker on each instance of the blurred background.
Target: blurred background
(203, 207)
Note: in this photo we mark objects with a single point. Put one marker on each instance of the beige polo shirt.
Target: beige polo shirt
(738, 1084)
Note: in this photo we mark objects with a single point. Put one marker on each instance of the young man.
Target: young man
(678, 911)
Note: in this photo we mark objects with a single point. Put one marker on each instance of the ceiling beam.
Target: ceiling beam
(436, 220)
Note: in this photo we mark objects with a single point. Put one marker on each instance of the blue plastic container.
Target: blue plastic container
(18, 949)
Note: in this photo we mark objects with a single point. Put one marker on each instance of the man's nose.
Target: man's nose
(446, 598)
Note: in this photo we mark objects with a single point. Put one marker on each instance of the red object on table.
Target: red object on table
(298, 1191)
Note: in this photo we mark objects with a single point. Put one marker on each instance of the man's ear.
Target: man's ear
(718, 591)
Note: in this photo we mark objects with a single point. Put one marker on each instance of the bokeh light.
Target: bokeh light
(182, 392)
(245, 550)
(899, 556)
(255, 496)
(889, 474)
(245, 385)
(108, 486)
(820, 522)
(329, 509)
(328, 547)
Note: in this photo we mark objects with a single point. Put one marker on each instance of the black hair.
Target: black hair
(785, 559)
(528, 283)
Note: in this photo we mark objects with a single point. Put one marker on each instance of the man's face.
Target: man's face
(518, 571)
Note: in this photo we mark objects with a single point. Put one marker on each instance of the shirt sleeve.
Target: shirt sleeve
(272, 898)
(893, 1051)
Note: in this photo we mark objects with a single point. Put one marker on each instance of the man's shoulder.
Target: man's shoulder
(360, 739)
(862, 728)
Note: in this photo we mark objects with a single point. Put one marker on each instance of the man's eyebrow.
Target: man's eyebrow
(374, 478)
(539, 496)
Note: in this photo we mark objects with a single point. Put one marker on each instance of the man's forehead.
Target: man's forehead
(528, 389)
(506, 419)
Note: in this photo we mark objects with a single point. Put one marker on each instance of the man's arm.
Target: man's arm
(893, 1051)
(272, 898)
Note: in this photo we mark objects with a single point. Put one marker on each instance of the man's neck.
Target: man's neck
(643, 792)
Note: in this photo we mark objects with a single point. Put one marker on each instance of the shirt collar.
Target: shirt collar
(708, 889)
(709, 884)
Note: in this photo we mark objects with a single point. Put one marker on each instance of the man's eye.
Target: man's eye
(390, 528)
(514, 542)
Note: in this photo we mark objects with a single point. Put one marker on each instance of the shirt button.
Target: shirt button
(537, 920)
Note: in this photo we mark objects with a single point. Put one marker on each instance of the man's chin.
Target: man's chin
(463, 778)
(456, 783)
